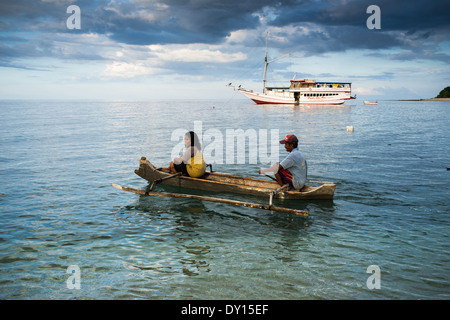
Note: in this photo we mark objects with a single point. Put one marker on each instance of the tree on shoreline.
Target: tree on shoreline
(445, 93)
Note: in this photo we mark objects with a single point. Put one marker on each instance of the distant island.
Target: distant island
(444, 95)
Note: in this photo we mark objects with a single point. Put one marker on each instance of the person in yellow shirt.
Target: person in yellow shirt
(191, 163)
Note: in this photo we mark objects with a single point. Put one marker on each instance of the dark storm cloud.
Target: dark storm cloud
(171, 21)
(334, 39)
(417, 27)
(402, 15)
(332, 25)
(138, 22)
(128, 22)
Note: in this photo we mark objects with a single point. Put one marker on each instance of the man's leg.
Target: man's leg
(283, 176)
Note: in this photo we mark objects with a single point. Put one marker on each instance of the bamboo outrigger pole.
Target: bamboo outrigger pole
(227, 201)
(274, 192)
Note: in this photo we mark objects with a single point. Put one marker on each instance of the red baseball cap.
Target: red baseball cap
(290, 138)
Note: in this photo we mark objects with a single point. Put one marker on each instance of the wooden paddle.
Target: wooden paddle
(270, 177)
(312, 181)
(163, 179)
(227, 201)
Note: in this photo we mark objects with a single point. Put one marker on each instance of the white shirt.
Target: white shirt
(295, 162)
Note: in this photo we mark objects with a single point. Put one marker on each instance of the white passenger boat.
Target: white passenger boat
(309, 92)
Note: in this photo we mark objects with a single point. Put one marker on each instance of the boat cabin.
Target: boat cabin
(305, 84)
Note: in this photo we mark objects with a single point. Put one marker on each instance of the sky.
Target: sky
(190, 49)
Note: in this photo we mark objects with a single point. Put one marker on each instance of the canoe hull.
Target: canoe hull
(224, 183)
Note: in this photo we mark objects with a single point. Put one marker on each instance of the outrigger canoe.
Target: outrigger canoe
(225, 183)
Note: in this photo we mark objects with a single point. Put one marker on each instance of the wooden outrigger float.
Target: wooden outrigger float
(227, 201)
(225, 183)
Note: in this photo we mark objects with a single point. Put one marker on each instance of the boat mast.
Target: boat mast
(265, 64)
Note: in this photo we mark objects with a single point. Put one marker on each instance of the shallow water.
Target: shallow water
(391, 207)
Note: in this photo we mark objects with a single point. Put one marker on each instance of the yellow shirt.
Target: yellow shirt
(196, 166)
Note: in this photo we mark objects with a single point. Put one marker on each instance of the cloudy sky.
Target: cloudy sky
(156, 49)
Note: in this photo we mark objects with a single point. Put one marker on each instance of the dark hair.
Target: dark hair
(194, 139)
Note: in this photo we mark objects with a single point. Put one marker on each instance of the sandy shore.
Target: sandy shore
(431, 99)
(436, 99)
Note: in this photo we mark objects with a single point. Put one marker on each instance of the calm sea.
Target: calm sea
(386, 234)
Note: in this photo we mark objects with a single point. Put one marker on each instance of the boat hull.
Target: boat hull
(224, 183)
(260, 98)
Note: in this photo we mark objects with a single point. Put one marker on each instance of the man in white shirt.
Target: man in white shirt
(293, 169)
